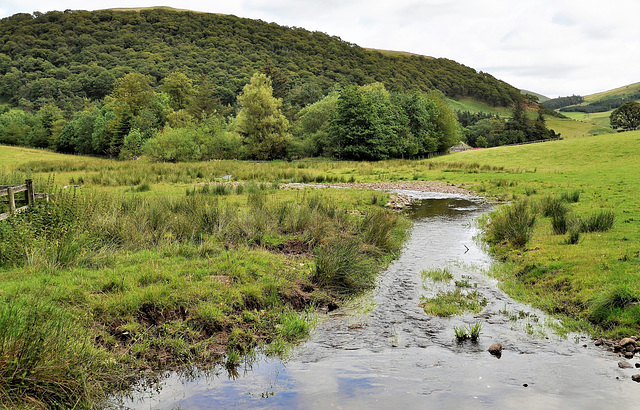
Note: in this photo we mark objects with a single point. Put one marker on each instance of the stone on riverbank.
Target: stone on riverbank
(636, 378)
(624, 365)
(496, 349)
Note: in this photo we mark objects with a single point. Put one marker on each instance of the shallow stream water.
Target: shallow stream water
(388, 353)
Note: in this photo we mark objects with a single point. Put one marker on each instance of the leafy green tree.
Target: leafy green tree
(260, 122)
(311, 130)
(134, 89)
(445, 124)
(15, 125)
(132, 145)
(365, 124)
(179, 88)
(626, 117)
(204, 101)
(49, 122)
(421, 113)
(279, 81)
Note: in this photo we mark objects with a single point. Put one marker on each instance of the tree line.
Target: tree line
(356, 122)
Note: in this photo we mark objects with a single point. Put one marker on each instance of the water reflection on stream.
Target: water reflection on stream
(393, 355)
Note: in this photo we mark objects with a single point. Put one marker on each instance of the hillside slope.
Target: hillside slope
(67, 56)
(601, 102)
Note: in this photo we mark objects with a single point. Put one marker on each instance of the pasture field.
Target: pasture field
(627, 89)
(152, 265)
(477, 106)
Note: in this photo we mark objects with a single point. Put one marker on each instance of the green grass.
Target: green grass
(437, 275)
(156, 276)
(147, 272)
(477, 106)
(453, 302)
(627, 89)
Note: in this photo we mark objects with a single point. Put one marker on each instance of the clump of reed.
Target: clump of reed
(512, 224)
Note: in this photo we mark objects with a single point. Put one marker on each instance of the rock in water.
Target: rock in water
(624, 365)
(636, 378)
(496, 349)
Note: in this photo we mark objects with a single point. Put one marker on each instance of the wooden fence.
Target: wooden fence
(30, 197)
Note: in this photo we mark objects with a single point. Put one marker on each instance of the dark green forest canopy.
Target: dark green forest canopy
(64, 57)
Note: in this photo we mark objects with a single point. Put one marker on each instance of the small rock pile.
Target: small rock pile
(627, 348)
(399, 201)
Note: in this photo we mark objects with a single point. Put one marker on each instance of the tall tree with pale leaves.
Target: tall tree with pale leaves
(263, 127)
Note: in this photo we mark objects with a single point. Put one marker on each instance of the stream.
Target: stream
(386, 352)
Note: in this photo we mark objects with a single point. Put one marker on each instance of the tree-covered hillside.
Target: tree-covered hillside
(64, 57)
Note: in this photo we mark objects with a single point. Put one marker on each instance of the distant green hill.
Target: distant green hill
(65, 57)
(541, 98)
(596, 103)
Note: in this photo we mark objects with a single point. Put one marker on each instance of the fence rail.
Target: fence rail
(30, 197)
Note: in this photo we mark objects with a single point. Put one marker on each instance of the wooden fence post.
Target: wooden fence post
(12, 200)
(31, 193)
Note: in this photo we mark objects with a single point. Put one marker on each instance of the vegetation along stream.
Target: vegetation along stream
(386, 352)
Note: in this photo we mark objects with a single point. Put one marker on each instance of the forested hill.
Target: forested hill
(65, 57)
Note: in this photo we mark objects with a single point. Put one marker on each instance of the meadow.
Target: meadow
(136, 266)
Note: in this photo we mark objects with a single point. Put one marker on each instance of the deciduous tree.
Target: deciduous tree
(626, 117)
(263, 127)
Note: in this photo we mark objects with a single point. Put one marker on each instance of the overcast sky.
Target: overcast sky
(552, 47)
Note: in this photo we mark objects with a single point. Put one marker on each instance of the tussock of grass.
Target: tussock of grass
(512, 224)
(343, 267)
(47, 360)
(453, 302)
(601, 221)
(437, 275)
(615, 307)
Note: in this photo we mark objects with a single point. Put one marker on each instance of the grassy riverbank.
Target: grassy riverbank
(101, 286)
(595, 280)
(148, 265)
